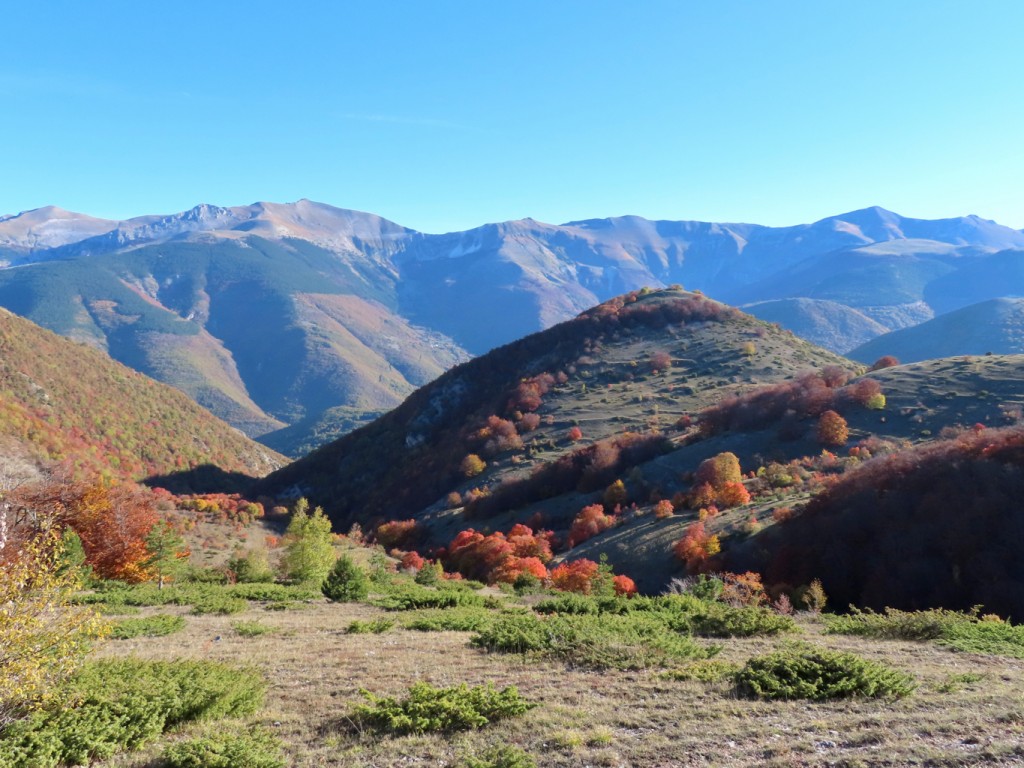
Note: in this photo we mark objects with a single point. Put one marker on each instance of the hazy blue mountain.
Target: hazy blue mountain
(273, 314)
(995, 326)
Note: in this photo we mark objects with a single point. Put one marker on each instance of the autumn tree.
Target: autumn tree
(832, 430)
(719, 470)
(660, 361)
(575, 576)
(615, 495)
(309, 553)
(590, 521)
(111, 520)
(472, 465)
(43, 636)
(697, 547)
(886, 361)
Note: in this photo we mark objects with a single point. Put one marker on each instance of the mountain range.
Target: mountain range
(296, 321)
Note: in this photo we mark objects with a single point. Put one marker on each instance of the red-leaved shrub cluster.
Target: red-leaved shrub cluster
(787, 402)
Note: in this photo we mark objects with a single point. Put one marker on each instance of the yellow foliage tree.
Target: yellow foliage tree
(43, 637)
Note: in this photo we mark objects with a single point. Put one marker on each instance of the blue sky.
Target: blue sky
(445, 115)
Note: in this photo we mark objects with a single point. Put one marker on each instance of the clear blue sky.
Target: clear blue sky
(445, 115)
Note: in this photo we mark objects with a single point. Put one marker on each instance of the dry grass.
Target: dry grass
(968, 709)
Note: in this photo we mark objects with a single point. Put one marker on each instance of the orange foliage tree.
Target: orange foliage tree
(696, 548)
(832, 429)
(624, 585)
(575, 576)
(112, 522)
(590, 521)
(513, 568)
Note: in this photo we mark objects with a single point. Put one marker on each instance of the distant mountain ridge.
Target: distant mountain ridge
(272, 314)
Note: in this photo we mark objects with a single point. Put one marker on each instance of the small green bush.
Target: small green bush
(346, 582)
(448, 620)
(805, 672)
(721, 620)
(252, 628)
(376, 627)
(632, 641)
(254, 748)
(428, 709)
(270, 593)
(501, 757)
(149, 626)
(411, 597)
(114, 705)
(965, 632)
(221, 604)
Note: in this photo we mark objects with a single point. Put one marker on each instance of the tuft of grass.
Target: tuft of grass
(149, 626)
(427, 709)
(818, 674)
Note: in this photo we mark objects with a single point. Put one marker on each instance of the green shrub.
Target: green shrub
(252, 568)
(265, 592)
(410, 597)
(376, 627)
(720, 620)
(427, 709)
(254, 748)
(252, 628)
(346, 582)
(966, 632)
(704, 671)
(987, 637)
(805, 672)
(448, 620)
(569, 603)
(501, 757)
(149, 626)
(430, 574)
(199, 575)
(114, 705)
(221, 604)
(895, 625)
(633, 641)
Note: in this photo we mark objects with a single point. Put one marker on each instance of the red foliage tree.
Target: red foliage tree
(732, 494)
(575, 434)
(513, 568)
(575, 576)
(624, 585)
(696, 548)
(526, 543)
(412, 561)
(886, 361)
(590, 521)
